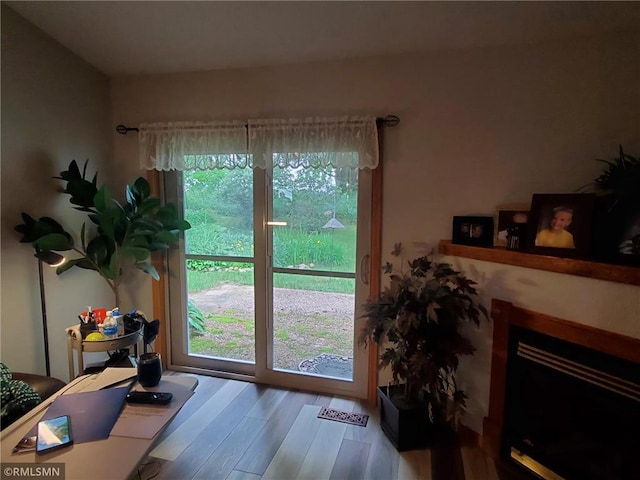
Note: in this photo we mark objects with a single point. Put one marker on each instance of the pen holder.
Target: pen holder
(87, 328)
(149, 369)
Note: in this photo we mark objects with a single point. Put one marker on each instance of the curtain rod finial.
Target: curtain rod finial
(391, 120)
(123, 129)
(388, 121)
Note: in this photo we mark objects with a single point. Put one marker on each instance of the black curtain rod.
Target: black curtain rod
(388, 121)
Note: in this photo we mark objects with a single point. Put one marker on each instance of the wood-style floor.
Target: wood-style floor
(242, 431)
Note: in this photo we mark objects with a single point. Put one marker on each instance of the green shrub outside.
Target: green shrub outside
(217, 203)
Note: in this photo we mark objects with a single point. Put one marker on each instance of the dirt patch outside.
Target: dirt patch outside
(306, 324)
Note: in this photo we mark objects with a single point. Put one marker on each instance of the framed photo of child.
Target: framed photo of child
(560, 224)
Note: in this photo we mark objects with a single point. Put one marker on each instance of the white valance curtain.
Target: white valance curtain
(192, 145)
(349, 141)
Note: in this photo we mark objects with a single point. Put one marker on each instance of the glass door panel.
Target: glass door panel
(219, 263)
(314, 263)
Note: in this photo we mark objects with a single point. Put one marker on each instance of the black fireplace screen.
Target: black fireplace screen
(571, 412)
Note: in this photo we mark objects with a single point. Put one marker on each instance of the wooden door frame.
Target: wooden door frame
(375, 260)
(159, 287)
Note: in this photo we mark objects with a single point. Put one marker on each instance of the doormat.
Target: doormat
(328, 365)
(358, 419)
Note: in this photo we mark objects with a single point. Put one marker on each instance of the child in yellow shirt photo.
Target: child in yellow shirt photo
(556, 234)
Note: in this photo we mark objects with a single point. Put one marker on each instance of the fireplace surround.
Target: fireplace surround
(564, 397)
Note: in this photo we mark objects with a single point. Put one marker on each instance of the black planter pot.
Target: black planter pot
(406, 425)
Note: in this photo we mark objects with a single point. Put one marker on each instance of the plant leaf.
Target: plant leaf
(142, 187)
(149, 269)
(135, 252)
(54, 241)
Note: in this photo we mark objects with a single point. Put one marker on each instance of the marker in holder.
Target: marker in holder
(87, 328)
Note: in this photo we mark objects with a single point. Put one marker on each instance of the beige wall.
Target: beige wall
(478, 128)
(55, 108)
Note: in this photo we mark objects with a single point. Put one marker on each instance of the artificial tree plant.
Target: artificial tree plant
(417, 318)
(120, 236)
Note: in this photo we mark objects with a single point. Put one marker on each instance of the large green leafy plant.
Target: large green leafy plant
(119, 237)
(418, 318)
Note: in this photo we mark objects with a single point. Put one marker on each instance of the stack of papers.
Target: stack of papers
(110, 377)
(145, 421)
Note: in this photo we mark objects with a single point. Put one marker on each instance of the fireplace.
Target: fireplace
(565, 398)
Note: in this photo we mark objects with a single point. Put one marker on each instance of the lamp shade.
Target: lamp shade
(50, 258)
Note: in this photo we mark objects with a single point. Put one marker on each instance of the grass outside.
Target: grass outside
(207, 280)
(297, 338)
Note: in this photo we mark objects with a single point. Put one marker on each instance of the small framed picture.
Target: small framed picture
(477, 231)
(560, 224)
(506, 219)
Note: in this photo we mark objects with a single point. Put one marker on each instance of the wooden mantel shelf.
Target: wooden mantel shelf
(581, 268)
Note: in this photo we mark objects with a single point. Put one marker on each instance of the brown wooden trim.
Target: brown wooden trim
(375, 261)
(569, 266)
(621, 346)
(158, 288)
(492, 427)
(505, 314)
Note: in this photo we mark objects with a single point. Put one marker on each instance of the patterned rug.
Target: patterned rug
(328, 365)
(352, 418)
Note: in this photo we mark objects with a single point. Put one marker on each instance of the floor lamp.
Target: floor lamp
(54, 260)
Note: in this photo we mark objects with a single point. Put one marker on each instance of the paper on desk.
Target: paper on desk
(109, 377)
(145, 421)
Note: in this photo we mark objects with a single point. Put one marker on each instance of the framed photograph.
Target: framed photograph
(506, 216)
(477, 231)
(560, 224)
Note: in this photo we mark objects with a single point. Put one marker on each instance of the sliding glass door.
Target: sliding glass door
(270, 276)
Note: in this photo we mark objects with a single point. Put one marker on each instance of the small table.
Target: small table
(109, 459)
(75, 342)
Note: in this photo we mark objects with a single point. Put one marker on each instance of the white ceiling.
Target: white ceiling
(124, 38)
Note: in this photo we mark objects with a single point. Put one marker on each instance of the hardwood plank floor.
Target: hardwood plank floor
(232, 430)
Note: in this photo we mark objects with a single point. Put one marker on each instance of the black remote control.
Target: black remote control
(151, 398)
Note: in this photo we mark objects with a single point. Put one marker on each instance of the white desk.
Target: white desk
(110, 459)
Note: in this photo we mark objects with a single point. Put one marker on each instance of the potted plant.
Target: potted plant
(417, 319)
(120, 236)
(617, 217)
